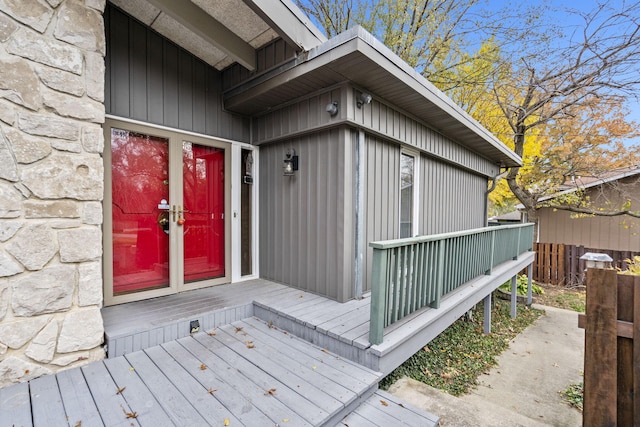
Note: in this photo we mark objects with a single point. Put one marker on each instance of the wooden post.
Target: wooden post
(439, 274)
(487, 314)
(600, 366)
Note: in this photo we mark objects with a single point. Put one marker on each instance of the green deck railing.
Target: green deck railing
(409, 274)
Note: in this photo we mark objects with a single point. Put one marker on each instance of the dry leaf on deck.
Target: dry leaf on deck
(270, 392)
(212, 390)
(238, 329)
(384, 403)
(203, 367)
(120, 390)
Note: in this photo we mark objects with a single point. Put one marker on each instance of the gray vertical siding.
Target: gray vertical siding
(382, 196)
(150, 79)
(267, 57)
(452, 199)
(305, 221)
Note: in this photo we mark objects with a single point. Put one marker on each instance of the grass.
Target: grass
(563, 297)
(573, 394)
(454, 360)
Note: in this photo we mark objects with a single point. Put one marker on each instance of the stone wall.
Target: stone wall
(51, 185)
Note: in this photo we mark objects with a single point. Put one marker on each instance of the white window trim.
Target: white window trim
(417, 164)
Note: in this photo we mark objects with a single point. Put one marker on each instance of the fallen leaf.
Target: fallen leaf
(250, 345)
(120, 390)
(285, 420)
(212, 334)
(325, 351)
(314, 367)
(384, 403)
(226, 421)
(427, 349)
(270, 392)
(301, 296)
(130, 414)
(131, 368)
(26, 371)
(401, 405)
(212, 390)
(238, 329)
(203, 367)
(78, 424)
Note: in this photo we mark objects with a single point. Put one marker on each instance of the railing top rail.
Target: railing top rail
(396, 243)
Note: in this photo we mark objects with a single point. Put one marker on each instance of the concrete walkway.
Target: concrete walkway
(523, 389)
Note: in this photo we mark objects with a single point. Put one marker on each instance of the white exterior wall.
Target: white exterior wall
(51, 185)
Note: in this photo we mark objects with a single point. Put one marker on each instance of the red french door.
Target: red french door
(167, 214)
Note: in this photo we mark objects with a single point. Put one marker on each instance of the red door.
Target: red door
(168, 206)
(203, 192)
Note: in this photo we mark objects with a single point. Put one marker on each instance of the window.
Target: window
(407, 176)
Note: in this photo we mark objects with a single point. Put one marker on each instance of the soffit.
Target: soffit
(221, 32)
(355, 56)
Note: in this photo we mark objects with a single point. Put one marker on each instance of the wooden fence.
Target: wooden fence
(612, 349)
(560, 264)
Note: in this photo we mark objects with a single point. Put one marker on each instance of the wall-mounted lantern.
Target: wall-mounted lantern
(332, 108)
(596, 260)
(290, 165)
(363, 98)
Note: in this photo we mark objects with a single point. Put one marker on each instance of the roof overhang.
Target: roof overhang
(358, 57)
(221, 32)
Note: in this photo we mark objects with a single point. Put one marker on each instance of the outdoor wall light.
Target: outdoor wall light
(332, 108)
(363, 98)
(290, 165)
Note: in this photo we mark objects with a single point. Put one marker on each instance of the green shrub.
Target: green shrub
(521, 285)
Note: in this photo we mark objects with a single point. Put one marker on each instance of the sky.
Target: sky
(570, 22)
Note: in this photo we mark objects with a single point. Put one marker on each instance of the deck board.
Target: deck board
(302, 351)
(46, 402)
(173, 402)
(238, 385)
(15, 404)
(295, 382)
(73, 388)
(143, 404)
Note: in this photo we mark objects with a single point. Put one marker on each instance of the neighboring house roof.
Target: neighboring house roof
(358, 57)
(222, 32)
(584, 182)
(511, 216)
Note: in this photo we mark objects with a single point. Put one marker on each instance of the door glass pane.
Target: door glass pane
(406, 195)
(140, 181)
(203, 182)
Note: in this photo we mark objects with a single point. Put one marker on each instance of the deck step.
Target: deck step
(247, 373)
(383, 409)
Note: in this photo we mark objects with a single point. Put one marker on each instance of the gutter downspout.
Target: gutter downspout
(359, 196)
(494, 182)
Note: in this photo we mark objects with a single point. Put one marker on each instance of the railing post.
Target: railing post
(378, 295)
(439, 274)
(515, 257)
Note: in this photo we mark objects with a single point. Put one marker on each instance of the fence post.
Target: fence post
(378, 295)
(514, 295)
(529, 287)
(600, 354)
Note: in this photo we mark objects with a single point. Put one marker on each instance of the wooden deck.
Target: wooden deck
(246, 373)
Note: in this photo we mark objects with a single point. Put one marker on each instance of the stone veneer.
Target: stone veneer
(51, 185)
